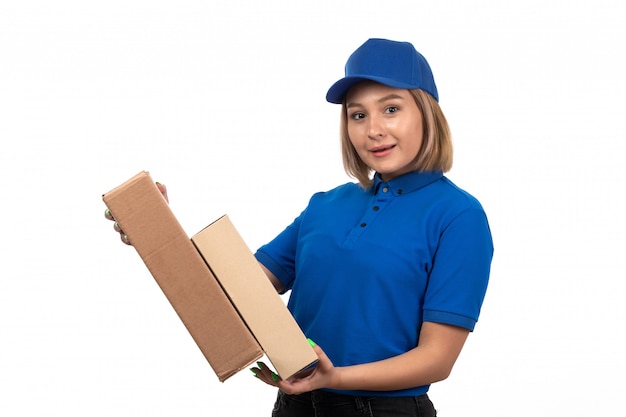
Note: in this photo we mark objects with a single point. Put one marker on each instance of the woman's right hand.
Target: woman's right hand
(116, 226)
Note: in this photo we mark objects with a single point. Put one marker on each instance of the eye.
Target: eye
(357, 116)
(391, 109)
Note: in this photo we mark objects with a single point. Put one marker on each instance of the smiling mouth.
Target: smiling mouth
(381, 150)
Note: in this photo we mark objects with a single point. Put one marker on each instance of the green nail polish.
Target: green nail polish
(254, 372)
(108, 212)
(312, 343)
(260, 365)
(274, 377)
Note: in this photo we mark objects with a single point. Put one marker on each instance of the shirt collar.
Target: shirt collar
(406, 183)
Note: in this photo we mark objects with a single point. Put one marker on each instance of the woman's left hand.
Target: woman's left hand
(319, 377)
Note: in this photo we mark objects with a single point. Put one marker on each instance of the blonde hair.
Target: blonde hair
(435, 153)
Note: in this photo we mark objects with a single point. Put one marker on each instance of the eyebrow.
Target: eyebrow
(381, 100)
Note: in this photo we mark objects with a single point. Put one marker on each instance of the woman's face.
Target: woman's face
(385, 127)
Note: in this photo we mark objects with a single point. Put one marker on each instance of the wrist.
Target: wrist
(339, 378)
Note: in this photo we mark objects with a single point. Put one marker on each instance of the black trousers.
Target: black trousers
(328, 404)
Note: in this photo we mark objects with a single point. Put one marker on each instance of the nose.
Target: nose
(376, 129)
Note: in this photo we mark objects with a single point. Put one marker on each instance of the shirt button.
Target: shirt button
(376, 208)
(399, 191)
(385, 189)
(363, 224)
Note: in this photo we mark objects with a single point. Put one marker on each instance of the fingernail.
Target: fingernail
(126, 239)
(254, 372)
(312, 343)
(274, 377)
(260, 365)
(108, 213)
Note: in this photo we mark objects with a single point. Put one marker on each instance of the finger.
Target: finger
(124, 238)
(163, 190)
(265, 374)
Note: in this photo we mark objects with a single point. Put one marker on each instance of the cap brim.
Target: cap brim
(338, 90)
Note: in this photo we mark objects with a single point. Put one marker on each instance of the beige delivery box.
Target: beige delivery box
(258, 303)
(182, 274)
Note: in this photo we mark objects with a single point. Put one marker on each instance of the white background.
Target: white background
(224, 103)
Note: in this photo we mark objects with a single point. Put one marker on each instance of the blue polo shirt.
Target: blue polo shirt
(367, 267)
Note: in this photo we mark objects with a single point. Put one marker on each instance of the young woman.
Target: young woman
(387, 276)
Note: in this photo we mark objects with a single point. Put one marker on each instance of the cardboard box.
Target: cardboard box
(258, 303)
(211, 319)
(214, 284)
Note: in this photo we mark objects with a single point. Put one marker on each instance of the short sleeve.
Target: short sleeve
(279, 255)
(460, 273)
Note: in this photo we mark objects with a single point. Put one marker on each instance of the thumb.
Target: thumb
(163, 189)
(324, 361)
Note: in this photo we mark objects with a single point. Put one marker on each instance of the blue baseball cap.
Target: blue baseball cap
(394, 64)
